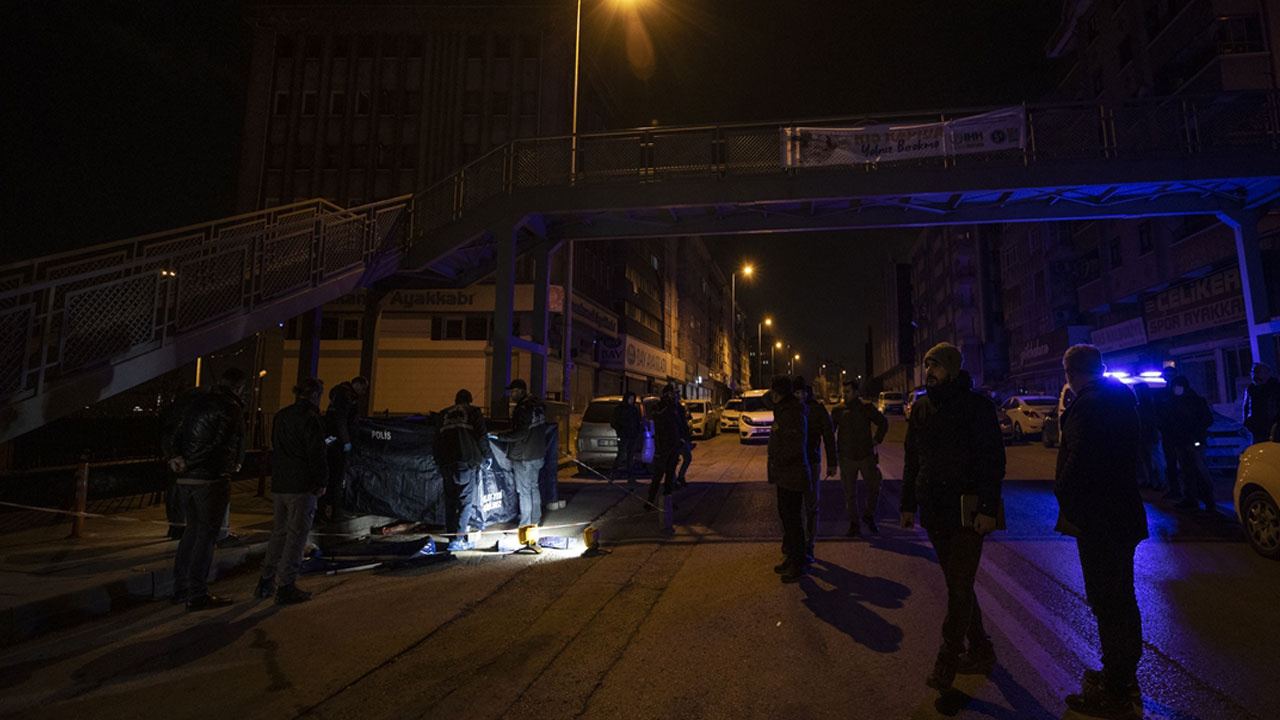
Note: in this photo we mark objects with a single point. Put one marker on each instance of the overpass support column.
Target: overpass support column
(369, 344)
(503, 314)
(309, 343)
(541, 301)
(1257, 309)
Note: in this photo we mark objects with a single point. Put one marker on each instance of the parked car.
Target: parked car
(1006, 426)
(756, 420)
(597, 440)
(910, 401)
(1255, 493)
(703, 422)
(1027, 413)
(729, 415)
(890, 402)
(1227, 441)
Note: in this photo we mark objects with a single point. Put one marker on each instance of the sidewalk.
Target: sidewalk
(51, 582)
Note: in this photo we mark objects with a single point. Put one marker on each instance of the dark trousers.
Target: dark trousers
(1172, 472)
(812, 499)
(461, 482)
(1196, 484)
(627, 448)
(290, 528)
(686, 457)
(203, 506)
(337, 469)
(664, 474)
(525, 473)
(1107, 566)
(959, 550)
(791, 513)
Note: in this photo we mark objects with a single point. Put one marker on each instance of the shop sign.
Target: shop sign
(627, 353)
(679, 369)
(1045, 351)
(994, 131)
(477, 298)
(1207, 302)
(1130, 333)
(593, 315)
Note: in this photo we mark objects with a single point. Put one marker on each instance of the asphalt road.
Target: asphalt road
(690, 626)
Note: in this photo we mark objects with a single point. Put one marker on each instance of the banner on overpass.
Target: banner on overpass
(989, 132)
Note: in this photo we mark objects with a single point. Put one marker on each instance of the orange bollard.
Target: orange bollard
(82, 496)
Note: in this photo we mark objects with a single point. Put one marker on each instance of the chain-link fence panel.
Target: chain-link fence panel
(391, 229)
(211, 288)
(436, 206)
(1147, 130)
(1235, 120)
(611, 158)
(684, 153)
(15, 332)
(1067, 132)
(343, 243)
(751, 151)
(108, 320)
(483, 180)
(541, 163)
(286, 264)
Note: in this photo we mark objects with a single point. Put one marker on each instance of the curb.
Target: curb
(35, 619)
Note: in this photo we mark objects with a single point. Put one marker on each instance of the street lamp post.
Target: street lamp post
(777, 345)
(760, 349)
(733, 307)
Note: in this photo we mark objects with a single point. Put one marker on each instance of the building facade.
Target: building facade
(893, 337)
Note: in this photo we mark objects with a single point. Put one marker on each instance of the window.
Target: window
(368, 46)
(1116, 257)
(364, 102)
(312, 46)
(338, 103)
(342, 47)
(413, 47)
(284, 46)
(1238, 34)
(654, 260)
(477, 327)
(446, 328)
(1145, 241)
(310, 103)
(350, 329)
(281, 105)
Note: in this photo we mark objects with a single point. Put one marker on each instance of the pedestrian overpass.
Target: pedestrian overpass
(81, 326)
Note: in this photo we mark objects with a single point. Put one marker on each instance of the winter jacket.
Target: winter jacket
(1262, 408)
(627, 421)
(1097, 475)
(171, 421)
(820, 431)
(298, 462)
(462, 436)
(953, 448)
(1148, 424)
(527, 438)
(342, 418)
(210, 436)
(788, 465)
(670, 428)
(853, 428)
(1187, 419)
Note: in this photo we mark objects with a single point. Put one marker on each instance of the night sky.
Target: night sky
(124, 116)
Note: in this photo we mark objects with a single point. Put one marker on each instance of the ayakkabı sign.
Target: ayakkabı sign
(989, 132)
(1213, 300)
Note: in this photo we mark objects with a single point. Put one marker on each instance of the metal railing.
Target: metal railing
(1146, 128)
(65, 313)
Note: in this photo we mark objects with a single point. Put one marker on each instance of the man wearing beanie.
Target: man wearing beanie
(953, 449)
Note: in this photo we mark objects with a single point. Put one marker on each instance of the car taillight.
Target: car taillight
(1033, 414)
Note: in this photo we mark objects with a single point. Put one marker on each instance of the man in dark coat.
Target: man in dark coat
(954, 449)
(670, 433)
(526, 444)
(1262, 403)
(788, 470)
(629, 425)
(207, 447)
(819, 433)
(1163, 403)
(1098, 504)
(342, 422)
(1188, 418)
(298, 478)
(856, 448)
(462, 451)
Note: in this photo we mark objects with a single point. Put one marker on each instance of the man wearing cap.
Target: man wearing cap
(526, 443)
(1261, 403)
(953, 449)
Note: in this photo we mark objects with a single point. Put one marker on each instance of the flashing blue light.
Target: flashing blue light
(1150, 374)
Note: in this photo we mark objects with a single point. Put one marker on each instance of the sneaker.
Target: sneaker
(231, 540)
(871, 524)
(207, 602)
(977, 660)
(782, 567)
(1097, 680)
(944, 671)
(266, 588)
(291, 595)
(795, 573)
(1097, 702)
(178, 597)
(855, 531)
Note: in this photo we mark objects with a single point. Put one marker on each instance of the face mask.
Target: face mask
(1178, 390)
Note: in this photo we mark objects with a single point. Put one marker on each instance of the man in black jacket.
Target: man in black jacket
(670, 433)
(788, 471)
(1262, 403)
(298, 479)
(1098, 504)
(462, 450)
(1187, 422)
(856, 448)
(526, 444)
(629, 425)
(207, 446)
(342, 421)
(819, 433)
(954, 449)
